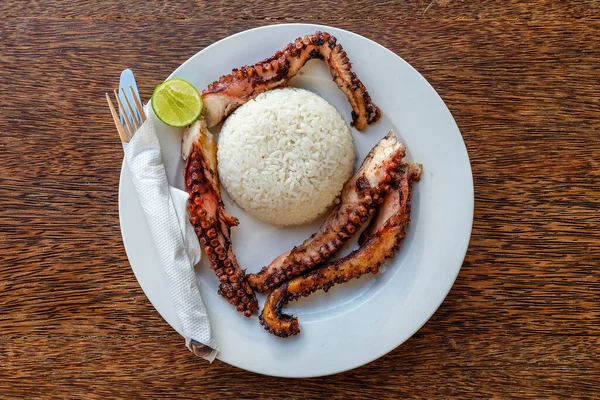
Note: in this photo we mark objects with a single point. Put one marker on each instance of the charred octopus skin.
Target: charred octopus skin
(384, 238)
(231, 91)
(360, 197)
(207, 215)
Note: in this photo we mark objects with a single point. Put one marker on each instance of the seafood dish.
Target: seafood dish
(360, 198)
(222, 97)
(382, 238)
(211, 224)
(286, 156)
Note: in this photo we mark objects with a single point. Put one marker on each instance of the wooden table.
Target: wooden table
(522, 80)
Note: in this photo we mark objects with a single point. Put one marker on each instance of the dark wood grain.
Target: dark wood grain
(429, 366)
(390, 10)
(523, 83)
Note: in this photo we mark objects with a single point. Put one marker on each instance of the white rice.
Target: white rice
(285, 156)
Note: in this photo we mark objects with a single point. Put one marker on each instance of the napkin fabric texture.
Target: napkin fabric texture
(165, 207)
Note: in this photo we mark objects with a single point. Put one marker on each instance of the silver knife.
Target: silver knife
(127, 80)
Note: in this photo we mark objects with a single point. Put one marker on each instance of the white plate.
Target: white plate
(360, 321)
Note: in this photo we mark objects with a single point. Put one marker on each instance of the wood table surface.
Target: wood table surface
(522, 79)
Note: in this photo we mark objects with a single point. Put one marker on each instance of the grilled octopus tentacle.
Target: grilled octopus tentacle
(230, 91)
(384, 239)
(208, 217)
(360, 197)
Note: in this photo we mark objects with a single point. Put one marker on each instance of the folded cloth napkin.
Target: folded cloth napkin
(165, 207)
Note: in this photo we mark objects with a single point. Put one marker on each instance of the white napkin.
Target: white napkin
(165, 207)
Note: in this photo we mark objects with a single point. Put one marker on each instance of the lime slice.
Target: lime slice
(177, 102)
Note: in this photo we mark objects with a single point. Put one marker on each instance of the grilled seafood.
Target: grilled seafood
(386, 231)
(208, 217)
(360, 197)
(230, 91)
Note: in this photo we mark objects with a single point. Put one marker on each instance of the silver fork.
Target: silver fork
(133, 120)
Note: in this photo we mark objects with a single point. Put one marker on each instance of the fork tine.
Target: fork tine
(134, 119)
(118, 123)
(139, 107)
(130, 130)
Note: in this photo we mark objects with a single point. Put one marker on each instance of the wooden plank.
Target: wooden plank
(389, 10)
(522, 320)
(535, 237)
(425, 367)
(393, 10)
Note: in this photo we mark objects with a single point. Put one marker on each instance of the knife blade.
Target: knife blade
(127, 80)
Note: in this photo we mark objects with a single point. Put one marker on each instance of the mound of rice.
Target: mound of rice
(285, 156)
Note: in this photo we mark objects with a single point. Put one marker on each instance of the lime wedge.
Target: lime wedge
(177, 102)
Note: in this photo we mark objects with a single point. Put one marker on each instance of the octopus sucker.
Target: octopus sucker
(231, 91)
(207, 215)
(358, 193)
(380, 243)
